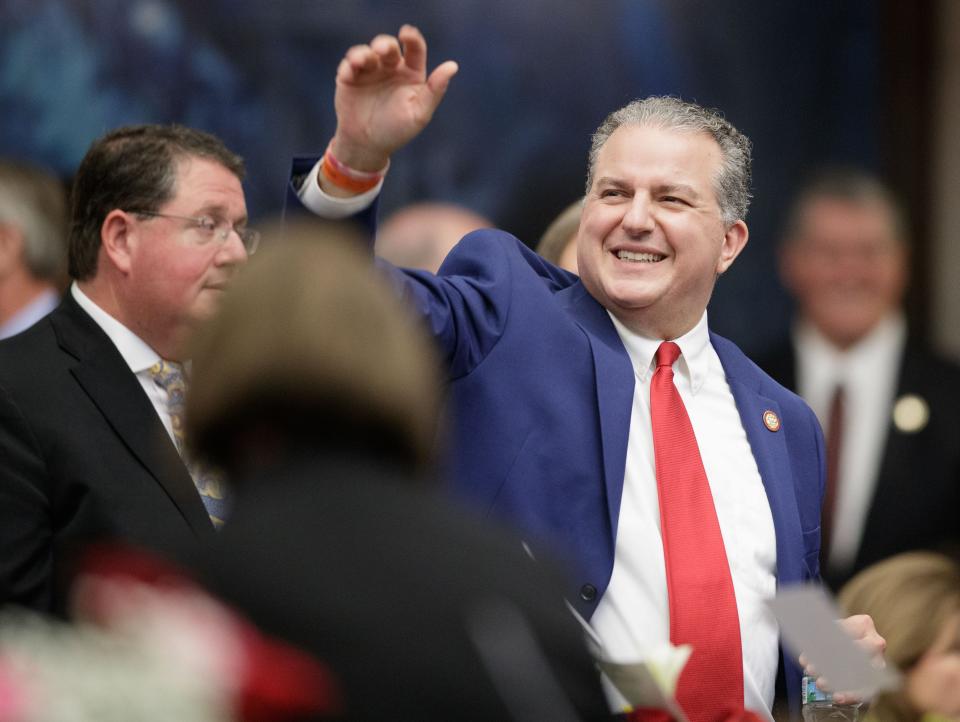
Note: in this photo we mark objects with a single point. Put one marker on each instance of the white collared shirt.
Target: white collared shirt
(633, 615)
(134, 350)
(868, 372)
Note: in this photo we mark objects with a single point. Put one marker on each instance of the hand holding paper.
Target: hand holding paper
(810, 623)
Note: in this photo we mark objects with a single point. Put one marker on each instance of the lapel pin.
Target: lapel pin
(910, 413)
(771, 420)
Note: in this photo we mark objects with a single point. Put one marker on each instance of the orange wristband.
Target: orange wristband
(343, 176)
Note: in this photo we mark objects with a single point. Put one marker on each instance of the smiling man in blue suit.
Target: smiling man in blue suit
(559, 384)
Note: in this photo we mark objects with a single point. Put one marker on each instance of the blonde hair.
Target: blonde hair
(312, 344)
(560, 232)
(911, 597)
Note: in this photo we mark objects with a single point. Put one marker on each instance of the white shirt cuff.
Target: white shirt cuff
(330, 207)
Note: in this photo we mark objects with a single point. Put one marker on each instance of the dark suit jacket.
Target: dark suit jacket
(421, 613)
(916, 502)
(83, 455)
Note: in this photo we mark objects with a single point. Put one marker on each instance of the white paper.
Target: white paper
(651, 682)
(809, 624)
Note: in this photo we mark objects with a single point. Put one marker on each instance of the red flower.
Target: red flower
(267, 680)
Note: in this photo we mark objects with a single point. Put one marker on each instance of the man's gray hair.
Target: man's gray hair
(732, 184)
(34, 201)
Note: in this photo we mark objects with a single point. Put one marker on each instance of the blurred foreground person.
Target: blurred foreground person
(318, 394)
(558, 244)
(914, 599)
(890, 408)
(421, 235)
(33, 245)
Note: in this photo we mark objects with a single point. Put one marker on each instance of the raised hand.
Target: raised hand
(384, 97)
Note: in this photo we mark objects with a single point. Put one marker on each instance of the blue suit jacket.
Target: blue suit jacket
(541, 390)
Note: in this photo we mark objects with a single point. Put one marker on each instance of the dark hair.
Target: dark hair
(848, 184)
(132, 167)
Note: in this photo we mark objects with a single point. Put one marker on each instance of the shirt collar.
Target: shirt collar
(834, 366)
(135, 351)
(694, 359)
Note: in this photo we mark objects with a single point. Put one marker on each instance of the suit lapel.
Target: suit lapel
(770, 452)
(614, 378)
(108, 381)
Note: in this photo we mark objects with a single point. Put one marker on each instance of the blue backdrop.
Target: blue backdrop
(537, 76)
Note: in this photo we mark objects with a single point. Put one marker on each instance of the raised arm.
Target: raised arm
(384, 98)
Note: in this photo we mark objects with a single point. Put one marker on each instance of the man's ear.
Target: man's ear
(11, 249)
(118, 237)
(734, 241)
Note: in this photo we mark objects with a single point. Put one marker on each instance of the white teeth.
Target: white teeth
(641, 257)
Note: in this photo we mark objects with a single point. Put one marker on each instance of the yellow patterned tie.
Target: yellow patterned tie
(170, 377)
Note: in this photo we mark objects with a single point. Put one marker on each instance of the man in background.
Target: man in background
(890, 408)
(421, 235)
(91, 397)
(33, 245)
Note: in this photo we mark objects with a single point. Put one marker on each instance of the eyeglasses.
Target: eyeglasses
(214, 228)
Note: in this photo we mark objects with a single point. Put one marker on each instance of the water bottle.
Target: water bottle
(818, 706)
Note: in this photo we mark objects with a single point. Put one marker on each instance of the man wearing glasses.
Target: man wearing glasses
(91, 398)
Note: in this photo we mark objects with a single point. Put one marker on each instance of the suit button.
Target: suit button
(588, 592)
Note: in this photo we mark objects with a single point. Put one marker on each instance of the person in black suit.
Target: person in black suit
(339, 541)
(889, 406)
(89, 437)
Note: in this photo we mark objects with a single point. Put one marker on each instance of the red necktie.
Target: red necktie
(703, 608)
(834, 441)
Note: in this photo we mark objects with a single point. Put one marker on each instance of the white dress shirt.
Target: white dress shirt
(135, 351)
(633, 617)
(868, 372)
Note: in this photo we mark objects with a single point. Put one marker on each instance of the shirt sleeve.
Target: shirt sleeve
(326, 206)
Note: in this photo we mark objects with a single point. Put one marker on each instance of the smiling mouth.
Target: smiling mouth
(640, 257)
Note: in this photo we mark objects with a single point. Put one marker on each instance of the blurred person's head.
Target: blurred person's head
(33, 216)
(668, 187)
(914, 599)
(311, 351)
(421, 235)
(845, 255)
(158, 229)
(558, 244)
